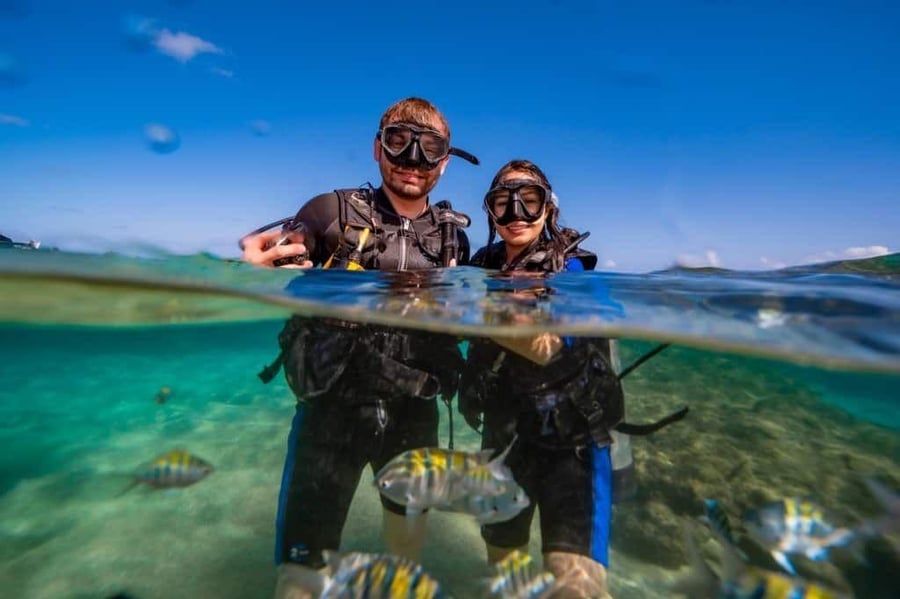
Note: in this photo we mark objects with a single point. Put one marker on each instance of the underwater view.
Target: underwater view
(109, 363)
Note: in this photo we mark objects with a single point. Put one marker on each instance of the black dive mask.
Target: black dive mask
(516, 200)
(417, 147)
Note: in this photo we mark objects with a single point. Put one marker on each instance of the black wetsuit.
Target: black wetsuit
(561, 412)
(366, 392)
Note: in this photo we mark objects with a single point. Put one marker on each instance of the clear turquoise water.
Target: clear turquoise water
(791, 377)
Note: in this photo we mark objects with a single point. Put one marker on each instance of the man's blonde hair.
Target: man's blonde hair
(416, 111)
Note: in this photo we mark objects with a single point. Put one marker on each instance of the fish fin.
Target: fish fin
(888, 499)
(130, 486)
(784, 562)
(484, 456)
(498, 469)
(733, 559)
(890, 506)
(700, 582)
(717, 520)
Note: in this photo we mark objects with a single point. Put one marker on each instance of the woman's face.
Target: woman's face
(518, 234)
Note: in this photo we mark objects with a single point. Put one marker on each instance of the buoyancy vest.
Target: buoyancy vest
(362, 362)
(568, 402)
(572, 400)
(396, 242)
(540, 256)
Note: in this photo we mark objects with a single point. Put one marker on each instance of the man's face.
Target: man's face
(405, 182)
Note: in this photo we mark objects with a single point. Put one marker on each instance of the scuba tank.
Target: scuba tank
(624, 485)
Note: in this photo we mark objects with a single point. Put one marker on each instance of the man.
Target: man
(366, 393)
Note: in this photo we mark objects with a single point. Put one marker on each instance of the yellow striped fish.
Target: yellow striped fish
(739, 580)
(434, 477)
(515, 578)
(755, 583)
(176, 468)
(795, 526)
(378, 576)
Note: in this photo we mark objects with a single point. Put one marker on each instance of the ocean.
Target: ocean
(791, 378)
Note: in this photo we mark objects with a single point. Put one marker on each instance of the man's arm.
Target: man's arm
(264, 249)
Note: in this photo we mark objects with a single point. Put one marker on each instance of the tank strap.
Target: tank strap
(640, 430)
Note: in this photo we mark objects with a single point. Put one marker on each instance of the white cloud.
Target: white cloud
(866, 252)
(851, 253)
(13, 120)
(226, 73)
(709, 258)
(772, 264)
(183, 46)
(609, 264)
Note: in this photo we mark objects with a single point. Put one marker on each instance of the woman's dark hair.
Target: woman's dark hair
(558, 238)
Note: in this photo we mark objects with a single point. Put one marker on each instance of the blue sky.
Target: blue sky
(747, 134)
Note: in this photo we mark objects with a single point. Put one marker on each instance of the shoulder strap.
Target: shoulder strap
(449, 221)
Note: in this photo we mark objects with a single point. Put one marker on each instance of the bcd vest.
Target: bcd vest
(395, 242)
(364, 361)
(570, 401)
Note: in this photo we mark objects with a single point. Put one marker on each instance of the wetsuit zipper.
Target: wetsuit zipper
(404, 228)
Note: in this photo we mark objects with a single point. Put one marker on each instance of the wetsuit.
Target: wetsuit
(562, 413)
(365, 392)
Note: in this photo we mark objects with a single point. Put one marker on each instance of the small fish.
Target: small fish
(795, 526)
(163, 395)
(432, 477)
(378, 576)
(515, 578)
(492, 509)
(176, 468)
(739, 580)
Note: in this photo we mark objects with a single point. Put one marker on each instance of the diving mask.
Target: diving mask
(417, 147)
(516, 200)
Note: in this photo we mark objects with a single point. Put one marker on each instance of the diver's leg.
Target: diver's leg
(502, 538)
(321, 473)
(576, 510)
(404, 535)
(411, 424)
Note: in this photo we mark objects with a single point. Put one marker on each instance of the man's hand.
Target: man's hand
(540, 349)
(263, 249)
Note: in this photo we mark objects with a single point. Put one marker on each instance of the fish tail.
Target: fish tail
(700, 582)
(715, 516)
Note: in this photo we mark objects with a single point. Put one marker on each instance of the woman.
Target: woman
(557, 397)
